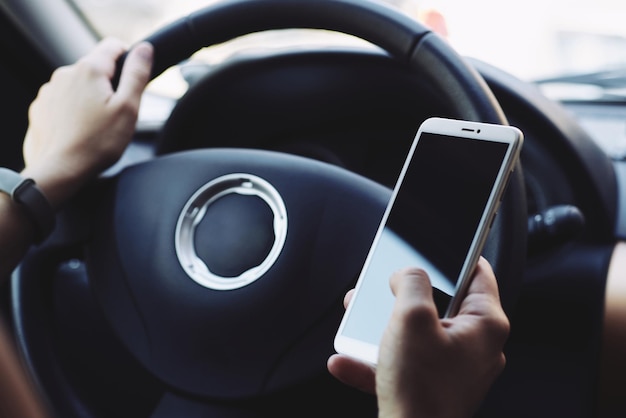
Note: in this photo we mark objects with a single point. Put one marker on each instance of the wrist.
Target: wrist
(31, 201)
(55, 184)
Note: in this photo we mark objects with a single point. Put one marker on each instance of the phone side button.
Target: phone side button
(493, 218)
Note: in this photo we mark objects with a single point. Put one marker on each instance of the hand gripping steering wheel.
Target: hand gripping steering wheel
(222, 270)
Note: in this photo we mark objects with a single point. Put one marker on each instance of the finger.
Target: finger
(352, 372)
(347, 298)
(102, 58)
(135, 73)
(109, 46)
(484, 281)
(483, 297)
(410, 281)
(414, 297)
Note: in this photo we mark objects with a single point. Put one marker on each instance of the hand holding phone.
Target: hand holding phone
(438, 219)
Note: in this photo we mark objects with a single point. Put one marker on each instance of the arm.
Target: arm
(431, 367)
(78, 126)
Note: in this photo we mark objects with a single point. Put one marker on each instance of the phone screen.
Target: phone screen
(432, 224)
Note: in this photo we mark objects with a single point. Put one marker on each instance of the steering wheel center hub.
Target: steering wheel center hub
(231, 208)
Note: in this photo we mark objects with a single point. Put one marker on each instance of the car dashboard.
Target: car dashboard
(361, 111)
(606, 124)
(557, 322)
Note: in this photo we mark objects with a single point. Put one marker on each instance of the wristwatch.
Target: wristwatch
(25, 192)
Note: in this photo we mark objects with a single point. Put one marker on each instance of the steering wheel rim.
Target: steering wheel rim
(408, 41)
(457, 83)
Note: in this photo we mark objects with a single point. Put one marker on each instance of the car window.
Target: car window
(532, 39)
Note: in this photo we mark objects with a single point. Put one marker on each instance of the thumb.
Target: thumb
(414, 296)
(135, 74)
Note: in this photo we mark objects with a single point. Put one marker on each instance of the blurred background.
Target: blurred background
(532, 39)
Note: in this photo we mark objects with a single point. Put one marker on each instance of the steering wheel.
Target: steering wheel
(220, 270)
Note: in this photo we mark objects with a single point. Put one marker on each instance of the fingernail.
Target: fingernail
(145, 50)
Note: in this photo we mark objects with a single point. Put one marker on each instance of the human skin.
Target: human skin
(432, 367)
(78, 126)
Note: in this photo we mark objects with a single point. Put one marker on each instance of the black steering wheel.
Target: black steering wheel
(220, 270)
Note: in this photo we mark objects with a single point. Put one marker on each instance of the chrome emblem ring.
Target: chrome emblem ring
(195, 210)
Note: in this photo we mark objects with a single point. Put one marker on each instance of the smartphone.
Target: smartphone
(438, 219)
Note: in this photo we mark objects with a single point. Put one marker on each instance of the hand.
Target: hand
(429, 366)
(78, 125)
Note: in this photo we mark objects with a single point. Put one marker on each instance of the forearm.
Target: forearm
(19, 396)
(78, 126)
(17, 233)
(27, 210)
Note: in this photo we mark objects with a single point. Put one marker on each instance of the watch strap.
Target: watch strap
(25, 192)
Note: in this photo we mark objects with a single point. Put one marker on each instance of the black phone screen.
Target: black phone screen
(432, 224)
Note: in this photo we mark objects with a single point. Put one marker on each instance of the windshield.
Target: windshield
(535, 40)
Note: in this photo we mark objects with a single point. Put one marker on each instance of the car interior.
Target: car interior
(108, 324)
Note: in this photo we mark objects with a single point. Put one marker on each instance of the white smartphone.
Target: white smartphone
(438, 218)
